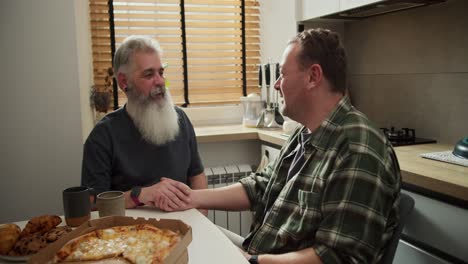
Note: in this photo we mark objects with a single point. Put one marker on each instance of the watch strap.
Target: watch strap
(134, 194)
(253, 259)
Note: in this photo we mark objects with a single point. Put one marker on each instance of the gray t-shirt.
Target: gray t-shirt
(116, 157)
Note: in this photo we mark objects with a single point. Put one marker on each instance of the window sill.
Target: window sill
(236, 132)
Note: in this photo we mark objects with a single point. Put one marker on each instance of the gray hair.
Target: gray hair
(131, 45)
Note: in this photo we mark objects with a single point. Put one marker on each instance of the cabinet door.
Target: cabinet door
(348, 4)
(407, 253)
(440, 225)
(309, 9)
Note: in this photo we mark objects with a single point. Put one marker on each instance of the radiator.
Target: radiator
(237, 222)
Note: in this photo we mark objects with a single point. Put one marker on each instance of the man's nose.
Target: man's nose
(158, 80)
(277, 83)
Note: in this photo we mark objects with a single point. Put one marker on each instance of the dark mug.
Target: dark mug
(76, 205)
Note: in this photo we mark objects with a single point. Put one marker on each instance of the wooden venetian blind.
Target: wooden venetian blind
(203, 42)
(101, 42)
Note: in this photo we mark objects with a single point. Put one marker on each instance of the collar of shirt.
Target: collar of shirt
(320, 138)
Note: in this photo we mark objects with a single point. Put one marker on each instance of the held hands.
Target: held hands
(167, 195)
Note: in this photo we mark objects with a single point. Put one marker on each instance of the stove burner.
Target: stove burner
(400, 135)
(404, 136)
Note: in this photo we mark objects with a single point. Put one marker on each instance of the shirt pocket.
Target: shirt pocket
(308, 200)
(299, 228)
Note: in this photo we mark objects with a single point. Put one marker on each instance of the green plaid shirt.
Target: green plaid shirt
(344, 200)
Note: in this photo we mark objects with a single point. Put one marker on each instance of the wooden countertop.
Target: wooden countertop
(440, 177)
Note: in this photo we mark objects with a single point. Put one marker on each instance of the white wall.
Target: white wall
(41, 135)
(278, 26)
(85, 64)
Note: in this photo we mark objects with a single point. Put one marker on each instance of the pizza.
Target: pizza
(142, 243)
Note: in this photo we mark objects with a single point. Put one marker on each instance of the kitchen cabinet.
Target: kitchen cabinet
(437, 224)
(308, 9)
(407, 253)
(348, 4)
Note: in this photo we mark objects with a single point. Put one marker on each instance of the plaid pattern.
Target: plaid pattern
(344, 201)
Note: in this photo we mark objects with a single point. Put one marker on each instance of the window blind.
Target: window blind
(203, 43)
(101, 42)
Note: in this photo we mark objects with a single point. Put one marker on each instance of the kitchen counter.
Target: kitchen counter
(434, 176)
(441, 177)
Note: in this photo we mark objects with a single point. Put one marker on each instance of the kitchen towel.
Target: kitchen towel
(445, 156)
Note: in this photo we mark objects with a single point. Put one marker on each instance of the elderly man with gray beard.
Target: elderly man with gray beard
(148, 147)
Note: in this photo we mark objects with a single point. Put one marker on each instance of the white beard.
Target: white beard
(157, 120)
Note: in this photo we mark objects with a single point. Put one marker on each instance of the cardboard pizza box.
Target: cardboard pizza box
(178, 255)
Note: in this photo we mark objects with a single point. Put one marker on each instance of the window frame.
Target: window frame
(243, 90)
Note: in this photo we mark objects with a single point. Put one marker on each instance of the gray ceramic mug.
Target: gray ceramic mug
(111, 203)
(76, 205)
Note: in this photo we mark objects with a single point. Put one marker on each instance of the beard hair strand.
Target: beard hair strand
(157, 121)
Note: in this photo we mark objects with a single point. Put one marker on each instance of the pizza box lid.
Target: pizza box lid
(178, 254)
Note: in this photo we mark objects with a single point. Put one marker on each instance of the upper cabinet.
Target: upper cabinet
(310, 9)
(348, 4)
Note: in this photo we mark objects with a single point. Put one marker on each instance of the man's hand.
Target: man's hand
(167, 195)
(246, 255)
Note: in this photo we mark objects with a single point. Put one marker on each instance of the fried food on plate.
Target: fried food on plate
(40, 224)
(9, 234)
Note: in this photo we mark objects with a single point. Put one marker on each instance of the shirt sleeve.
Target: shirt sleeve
(196, 165)
(256, 183)
(356, 204)
(97, 161)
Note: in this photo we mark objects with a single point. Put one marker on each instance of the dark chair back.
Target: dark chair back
(406, 206)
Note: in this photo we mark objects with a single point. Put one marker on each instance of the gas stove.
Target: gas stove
(404, 137)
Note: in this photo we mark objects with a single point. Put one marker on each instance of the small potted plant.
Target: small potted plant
(101, 98)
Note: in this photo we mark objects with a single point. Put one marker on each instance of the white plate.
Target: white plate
(15, 258)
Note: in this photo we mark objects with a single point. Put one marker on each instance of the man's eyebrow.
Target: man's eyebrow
(149, 70)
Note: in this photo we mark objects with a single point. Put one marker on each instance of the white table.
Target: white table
(209, 244)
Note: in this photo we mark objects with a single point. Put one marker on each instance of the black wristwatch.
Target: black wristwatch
(253, 259)
(134, 194)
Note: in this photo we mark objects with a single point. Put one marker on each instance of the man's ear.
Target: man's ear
(122, 81)
(315, 75)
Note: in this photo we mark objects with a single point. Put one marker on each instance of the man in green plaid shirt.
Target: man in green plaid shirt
(332, 195)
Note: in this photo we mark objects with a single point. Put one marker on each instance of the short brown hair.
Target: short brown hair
(323, 47)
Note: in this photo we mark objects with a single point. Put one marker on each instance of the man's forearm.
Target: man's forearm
(199, 182)
(232, 197)
(306, 255)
